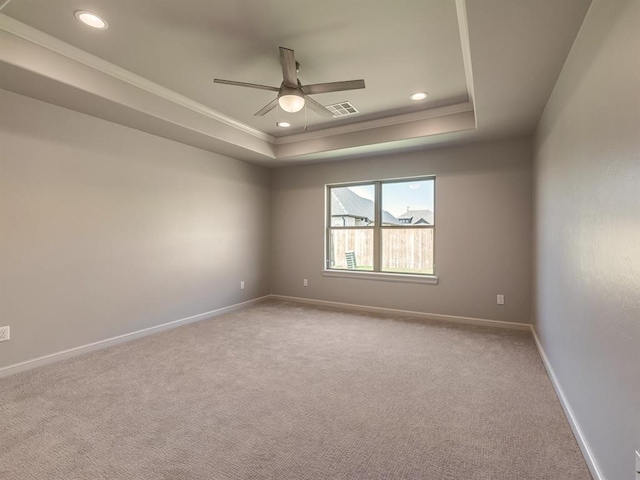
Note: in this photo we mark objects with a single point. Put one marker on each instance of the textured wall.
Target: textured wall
(483, 231)
(105, 230)
(587, 233)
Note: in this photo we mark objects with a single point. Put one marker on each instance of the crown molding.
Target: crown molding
(53, 44)
(381, 122)
(463, 25)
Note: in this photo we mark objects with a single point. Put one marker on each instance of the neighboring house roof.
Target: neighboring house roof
(346, 203)
(418, 217)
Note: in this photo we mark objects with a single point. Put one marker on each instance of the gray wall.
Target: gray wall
(106, 230)
(587, 233)
(483, 233)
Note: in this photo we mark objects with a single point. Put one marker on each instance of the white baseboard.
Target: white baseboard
(596, 473)
(72, 352)
(393, 311)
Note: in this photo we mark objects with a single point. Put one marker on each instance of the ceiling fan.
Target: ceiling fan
(292, 95)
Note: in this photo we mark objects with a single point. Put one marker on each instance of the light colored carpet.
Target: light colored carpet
(286, 391)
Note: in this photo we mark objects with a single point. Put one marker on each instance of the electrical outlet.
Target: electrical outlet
(4, 333)
(305, 283)
(242, 285)
(500, 299)
(637, 465)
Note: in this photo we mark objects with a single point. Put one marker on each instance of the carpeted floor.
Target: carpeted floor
(286, 391)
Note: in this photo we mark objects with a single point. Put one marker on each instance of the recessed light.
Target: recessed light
(283, 124)
(92, 20)
(419, 96)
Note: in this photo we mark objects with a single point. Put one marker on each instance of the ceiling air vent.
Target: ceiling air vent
(342, 109)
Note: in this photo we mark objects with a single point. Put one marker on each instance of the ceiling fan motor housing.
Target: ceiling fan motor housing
(285, 90)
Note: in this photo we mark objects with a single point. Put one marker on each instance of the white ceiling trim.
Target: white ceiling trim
(44, 40)
(461, 9)
(381, 122)
(376, 138)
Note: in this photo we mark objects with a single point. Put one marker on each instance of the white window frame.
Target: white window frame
(376, 273)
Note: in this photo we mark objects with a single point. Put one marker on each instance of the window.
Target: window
(382, 226)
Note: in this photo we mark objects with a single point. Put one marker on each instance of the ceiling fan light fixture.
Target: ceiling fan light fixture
(291, 103)
(91, 19)
(418, 96)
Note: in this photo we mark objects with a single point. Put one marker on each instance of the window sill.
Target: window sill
(385, 277)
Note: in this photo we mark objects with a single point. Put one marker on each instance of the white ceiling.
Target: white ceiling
(488, 66)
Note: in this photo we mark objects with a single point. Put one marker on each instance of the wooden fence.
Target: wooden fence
(403, 249)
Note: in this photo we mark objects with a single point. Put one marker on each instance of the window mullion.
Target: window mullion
(377, 235)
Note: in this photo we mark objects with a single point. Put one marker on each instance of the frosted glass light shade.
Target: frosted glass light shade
(291, 103)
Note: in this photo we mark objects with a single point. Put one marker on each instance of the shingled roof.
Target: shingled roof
(346, 203)
(418, 216)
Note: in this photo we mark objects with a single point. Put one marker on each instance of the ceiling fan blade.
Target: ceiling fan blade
(267, 108)
(243, 84)
(317, 107)
(288, 63)
(333, 87)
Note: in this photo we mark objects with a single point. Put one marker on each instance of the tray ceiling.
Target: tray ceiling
(172, 51)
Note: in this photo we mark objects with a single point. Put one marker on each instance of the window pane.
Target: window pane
(407, 250)
(409, 203)
(352, 206)
(351, 248)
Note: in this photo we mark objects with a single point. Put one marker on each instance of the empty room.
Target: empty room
(266, 239)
